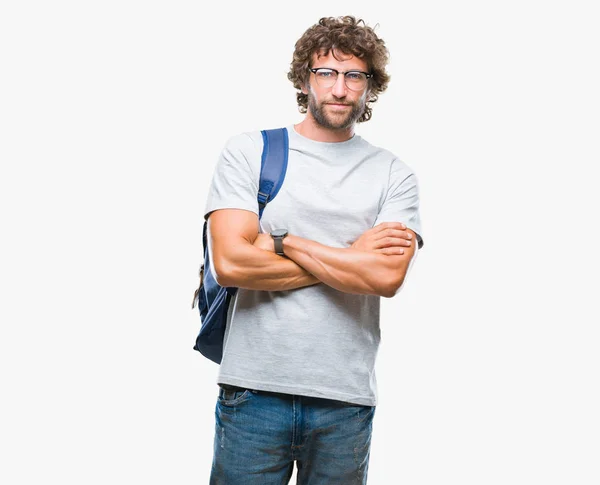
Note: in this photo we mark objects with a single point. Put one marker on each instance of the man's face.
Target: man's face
(336, 107)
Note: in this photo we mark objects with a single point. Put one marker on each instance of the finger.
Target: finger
(390, 225)
(396, 233)
(401, 233)
(397, 239)
(386, 242)
(392, 251)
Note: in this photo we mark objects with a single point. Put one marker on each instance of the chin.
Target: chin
(338, 124)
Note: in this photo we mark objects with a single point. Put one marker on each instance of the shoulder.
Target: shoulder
(394, 163)
(248, 143)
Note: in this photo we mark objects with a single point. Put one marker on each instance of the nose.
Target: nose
(339, 89)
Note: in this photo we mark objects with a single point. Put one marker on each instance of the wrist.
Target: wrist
(278, 236)
(292, 244)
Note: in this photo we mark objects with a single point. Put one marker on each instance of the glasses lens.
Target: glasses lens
(355, 80)
(326, 77)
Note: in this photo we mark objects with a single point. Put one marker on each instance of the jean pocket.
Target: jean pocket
(233, 396)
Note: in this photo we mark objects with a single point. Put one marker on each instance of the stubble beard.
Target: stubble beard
(336, 121)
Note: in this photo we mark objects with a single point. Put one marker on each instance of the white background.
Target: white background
(112, 117)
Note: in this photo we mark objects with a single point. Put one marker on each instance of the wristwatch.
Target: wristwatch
(278, 235)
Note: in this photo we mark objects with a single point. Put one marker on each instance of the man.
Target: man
(297, 380)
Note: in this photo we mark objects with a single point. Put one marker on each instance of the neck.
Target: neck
(309, 128)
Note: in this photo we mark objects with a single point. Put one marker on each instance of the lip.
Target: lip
(337, 105)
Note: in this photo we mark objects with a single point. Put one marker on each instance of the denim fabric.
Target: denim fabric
(259, 435)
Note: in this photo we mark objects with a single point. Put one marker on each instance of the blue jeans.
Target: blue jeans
(259, 435)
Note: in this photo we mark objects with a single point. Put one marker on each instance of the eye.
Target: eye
(325, 73)
(354, 75)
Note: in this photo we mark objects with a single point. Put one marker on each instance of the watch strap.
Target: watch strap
(278, 245)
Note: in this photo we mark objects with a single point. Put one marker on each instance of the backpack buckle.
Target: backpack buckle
(262, 197)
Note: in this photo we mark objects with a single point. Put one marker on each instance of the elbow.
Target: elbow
(222, 274)
(389, 292)
(392, 288)
(395, 276)
(231, 267)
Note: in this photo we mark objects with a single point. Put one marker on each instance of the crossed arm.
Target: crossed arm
(246, 259)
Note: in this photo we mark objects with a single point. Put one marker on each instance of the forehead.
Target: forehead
(340, 61)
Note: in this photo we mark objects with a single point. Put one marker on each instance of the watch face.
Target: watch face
(279, 233)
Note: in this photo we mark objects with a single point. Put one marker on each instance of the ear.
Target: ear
(303, 89)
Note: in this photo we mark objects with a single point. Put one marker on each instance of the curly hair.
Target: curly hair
(348, 36)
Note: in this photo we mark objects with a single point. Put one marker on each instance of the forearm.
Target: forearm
(345, 269)
(258, 269)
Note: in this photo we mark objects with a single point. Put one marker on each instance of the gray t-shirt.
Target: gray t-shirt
(313, 341)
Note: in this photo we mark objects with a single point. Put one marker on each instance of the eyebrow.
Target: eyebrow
(333, 69)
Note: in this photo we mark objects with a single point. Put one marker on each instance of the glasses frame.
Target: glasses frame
(368, 74)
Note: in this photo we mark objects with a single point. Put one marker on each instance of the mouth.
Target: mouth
(338, 105)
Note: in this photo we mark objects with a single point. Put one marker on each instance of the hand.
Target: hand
(387, 238)
(265, 241)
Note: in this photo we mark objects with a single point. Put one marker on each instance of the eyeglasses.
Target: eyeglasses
(355, 80)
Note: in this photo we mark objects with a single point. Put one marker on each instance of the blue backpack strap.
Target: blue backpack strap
(273, 165)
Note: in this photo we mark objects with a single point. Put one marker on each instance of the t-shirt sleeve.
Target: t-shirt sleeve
(402, 200)
(234, 184)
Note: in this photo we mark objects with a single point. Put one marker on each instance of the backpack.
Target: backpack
(213, 299)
